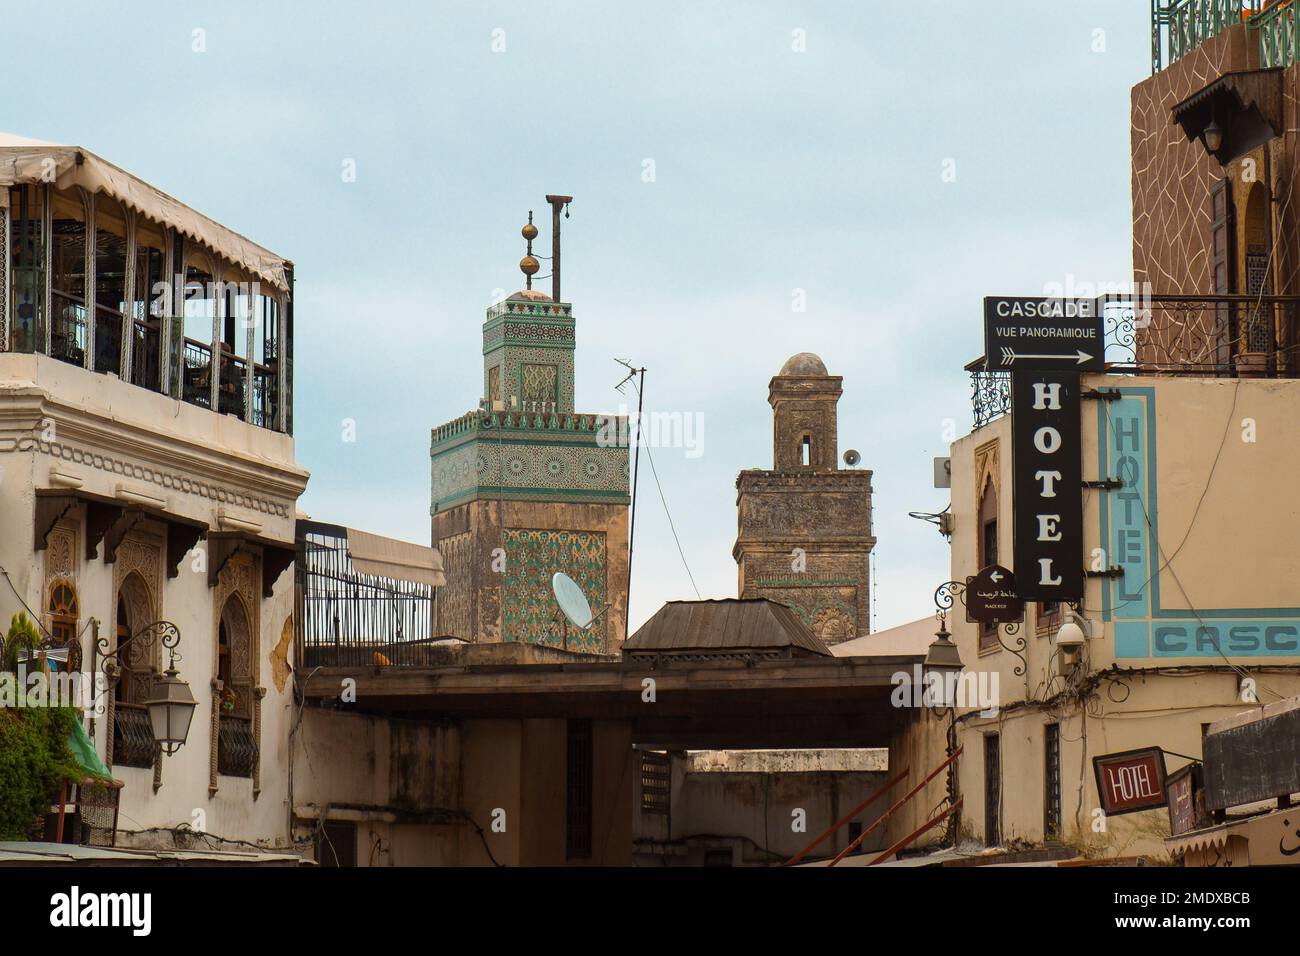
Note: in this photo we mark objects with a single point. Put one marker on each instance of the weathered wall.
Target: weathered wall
(63, 428)
(748, 816)
(1204, 516)
(510, 599)
(1171, 177)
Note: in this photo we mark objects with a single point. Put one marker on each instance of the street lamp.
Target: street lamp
(1213, 134)
(171, 707)
(941, 660)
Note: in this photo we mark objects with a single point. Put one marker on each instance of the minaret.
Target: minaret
(804, 536)
(524, 486)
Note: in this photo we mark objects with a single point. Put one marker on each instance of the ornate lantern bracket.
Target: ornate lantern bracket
(946, 596)
(132, 653)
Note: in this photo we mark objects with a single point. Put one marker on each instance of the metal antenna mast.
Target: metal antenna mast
(639, 374)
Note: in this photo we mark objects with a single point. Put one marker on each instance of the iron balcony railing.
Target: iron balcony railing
(1180, 26)
(350, 619)
(1210, 336)
(1275, 28)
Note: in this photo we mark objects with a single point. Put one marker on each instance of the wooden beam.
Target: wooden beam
(181, 539)
(50, 509)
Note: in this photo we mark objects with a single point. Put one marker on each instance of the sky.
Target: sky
(884, 165)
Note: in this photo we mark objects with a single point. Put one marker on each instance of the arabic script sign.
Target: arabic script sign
(991, 597)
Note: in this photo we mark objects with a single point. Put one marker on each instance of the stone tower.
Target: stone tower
(525, 486)
(804, 534)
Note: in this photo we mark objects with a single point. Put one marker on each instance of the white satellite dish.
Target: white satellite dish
(571, 600)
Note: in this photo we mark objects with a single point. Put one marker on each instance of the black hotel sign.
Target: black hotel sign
(1047, 479)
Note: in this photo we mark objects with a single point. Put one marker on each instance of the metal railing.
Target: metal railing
(1275, 27)
(1212, 336)
(196, 375)
(146, 355)
(1179, 26)
(266, 403)
(350, 619)
(236, 747)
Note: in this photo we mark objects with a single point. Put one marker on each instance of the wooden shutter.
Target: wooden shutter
(1221, 268)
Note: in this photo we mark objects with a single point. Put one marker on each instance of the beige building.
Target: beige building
(1192, 617)
(147, 473)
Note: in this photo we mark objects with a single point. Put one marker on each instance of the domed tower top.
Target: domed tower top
(803, 396)
(803, 365)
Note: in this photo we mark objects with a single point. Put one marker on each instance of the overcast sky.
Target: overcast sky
(774, 170)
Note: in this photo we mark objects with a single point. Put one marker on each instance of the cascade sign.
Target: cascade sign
(1047, 485)
(1131, 781)
(1040, 333)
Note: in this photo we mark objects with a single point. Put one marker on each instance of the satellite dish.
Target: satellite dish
(571, 600)
(851, 457)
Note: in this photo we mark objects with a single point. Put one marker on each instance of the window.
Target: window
(988, 550)
(27, 261)
(992, 790)
(236, 745)
(1047, 618)
(805, 451)
(110, 284)
(336, 843)
(68, 279)
(1052, 782)
(64, 611)
(133, 741)
(1222, 262)
(149, 304)
(578, 790)
(656, 782)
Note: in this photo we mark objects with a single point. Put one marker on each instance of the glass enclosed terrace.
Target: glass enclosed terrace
(109, 274)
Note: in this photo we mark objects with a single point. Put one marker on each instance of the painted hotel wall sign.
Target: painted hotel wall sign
(1131, 781)
(1040, 333)
(1047, 485)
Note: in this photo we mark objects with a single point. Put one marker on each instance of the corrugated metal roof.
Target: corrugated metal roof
(727, 625)
(35, 852)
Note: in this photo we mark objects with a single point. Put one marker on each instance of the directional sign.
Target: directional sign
(991, 597)
(1041, 333)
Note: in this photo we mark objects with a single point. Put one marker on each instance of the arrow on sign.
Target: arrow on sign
(995, 577)
(1009, 356)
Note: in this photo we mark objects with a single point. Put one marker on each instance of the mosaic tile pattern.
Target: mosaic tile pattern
(528, 605)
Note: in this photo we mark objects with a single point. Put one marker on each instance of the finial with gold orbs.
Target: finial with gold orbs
(529, 231)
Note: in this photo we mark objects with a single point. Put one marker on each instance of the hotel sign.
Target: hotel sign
(1047, 485)
(1041, 333)
(1131, 781)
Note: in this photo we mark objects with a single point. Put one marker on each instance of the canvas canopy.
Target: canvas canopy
(25, 160)
(83, 752)
(390, 558)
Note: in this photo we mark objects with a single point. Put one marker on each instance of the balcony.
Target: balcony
(161, 299)
(350, 618)
(236, 747)
(1178, 27)
(1211, 336)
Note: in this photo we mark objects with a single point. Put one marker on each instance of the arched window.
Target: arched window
(988, 548)
(64, 610)
(236, 743)
(133, 742)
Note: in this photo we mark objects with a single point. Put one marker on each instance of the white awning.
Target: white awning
(25, 160)
(390, 558)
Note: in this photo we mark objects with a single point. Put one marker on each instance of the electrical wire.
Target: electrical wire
(671, 526)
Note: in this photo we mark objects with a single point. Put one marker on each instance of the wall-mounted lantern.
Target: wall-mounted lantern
(170, 703)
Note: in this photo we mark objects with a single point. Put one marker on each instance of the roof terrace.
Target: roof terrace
(101, 270)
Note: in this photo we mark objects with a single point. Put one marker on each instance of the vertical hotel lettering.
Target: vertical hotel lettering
(1047, 479)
